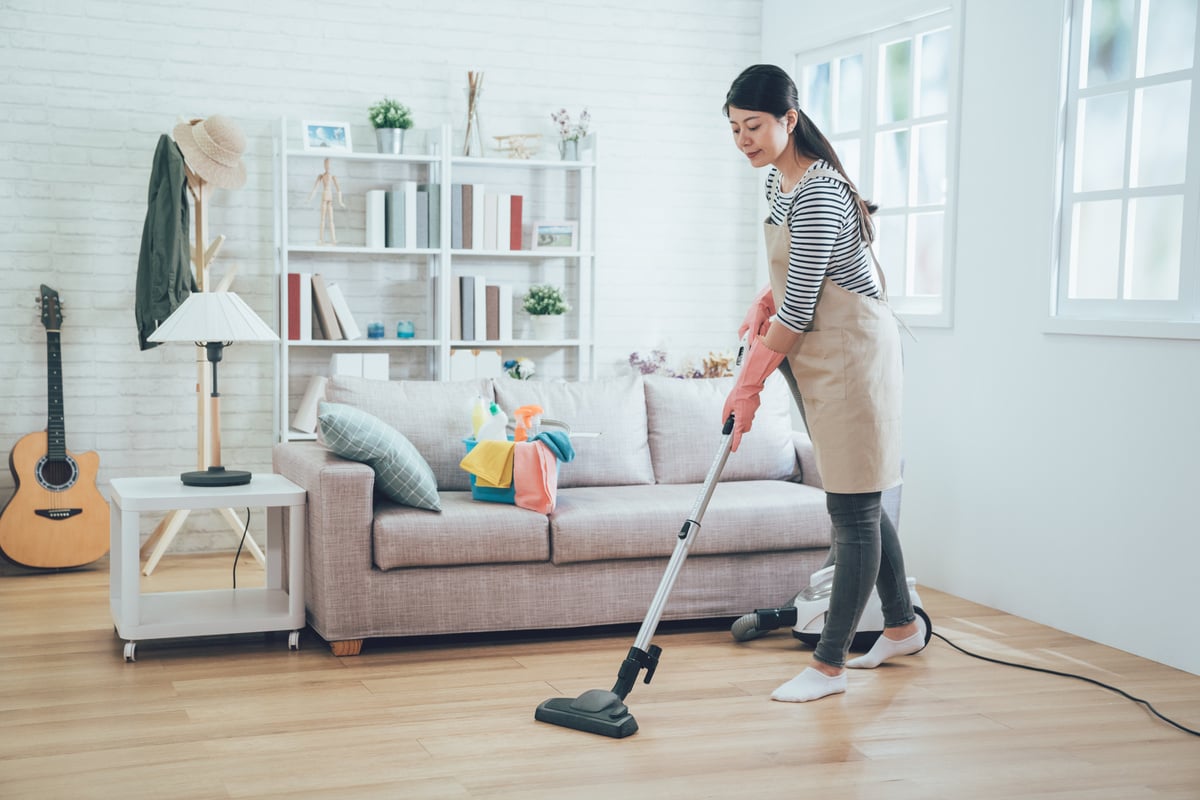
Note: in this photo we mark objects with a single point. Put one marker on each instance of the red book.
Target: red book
(514, 223)
(293, 305)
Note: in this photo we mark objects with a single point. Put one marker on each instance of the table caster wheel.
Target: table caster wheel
(294, 640)
(131, 651)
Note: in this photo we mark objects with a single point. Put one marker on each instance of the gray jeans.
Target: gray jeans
(866, 554)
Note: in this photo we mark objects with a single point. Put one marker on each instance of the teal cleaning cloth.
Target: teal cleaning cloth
(558, 442)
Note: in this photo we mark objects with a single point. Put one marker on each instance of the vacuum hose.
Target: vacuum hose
(761, 622)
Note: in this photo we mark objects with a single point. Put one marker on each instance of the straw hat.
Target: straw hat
(213, 148)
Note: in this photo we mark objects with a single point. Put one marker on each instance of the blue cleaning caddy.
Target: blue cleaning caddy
(488, 493)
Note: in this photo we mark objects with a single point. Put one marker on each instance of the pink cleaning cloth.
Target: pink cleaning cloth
(535, 477)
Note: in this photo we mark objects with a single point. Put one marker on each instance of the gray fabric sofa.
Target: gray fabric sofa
(378, 569)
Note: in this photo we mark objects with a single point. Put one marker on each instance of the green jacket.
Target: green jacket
(164, 276)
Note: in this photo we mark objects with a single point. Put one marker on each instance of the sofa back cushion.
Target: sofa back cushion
(434, 415)
(684, 419)
(613, 407)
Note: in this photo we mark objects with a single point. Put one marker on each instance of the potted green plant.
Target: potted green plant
(390, 119)
(546, 306)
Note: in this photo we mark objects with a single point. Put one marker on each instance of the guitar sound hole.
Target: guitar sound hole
(58, 474)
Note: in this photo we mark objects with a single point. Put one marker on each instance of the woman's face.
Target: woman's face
(760, 136)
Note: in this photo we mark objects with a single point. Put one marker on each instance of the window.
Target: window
(887, 103)
(1130, 177)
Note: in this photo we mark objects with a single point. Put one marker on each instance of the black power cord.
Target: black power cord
(1124, 694)
(241, 542)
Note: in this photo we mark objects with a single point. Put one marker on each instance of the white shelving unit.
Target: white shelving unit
(390, 284)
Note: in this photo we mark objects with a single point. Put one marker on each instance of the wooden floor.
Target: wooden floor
(245, 717)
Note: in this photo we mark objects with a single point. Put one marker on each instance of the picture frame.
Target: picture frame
(555, 235)
(326, 137)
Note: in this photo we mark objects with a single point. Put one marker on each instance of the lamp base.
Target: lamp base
(216, 476)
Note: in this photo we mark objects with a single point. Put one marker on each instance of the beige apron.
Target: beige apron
(847, 370)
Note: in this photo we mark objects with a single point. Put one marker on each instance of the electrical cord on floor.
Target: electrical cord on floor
(238, 554)
(1124, 694)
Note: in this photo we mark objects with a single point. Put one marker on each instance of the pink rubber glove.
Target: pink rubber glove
(758, 317)
(743, 399)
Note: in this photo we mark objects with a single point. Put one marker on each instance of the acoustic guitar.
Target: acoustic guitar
(57, 518)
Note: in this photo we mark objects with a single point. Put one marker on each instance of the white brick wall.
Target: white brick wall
(87, 88)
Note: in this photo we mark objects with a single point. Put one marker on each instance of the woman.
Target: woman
(824, 322)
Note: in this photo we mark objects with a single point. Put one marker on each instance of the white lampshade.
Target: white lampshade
(213, 317)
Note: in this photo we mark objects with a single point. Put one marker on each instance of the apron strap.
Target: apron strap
(825, 172)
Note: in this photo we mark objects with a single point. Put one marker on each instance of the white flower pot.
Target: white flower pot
(548, 327)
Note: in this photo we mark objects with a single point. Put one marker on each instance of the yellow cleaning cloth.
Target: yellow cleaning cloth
(491, 462)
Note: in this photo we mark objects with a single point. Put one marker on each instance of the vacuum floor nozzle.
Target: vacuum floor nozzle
(595, 711)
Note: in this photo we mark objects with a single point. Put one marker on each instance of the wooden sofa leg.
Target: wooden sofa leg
(346, 647)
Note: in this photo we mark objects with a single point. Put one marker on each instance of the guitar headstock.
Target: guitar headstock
(51, 309)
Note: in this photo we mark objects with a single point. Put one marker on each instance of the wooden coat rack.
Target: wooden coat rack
(203, 254)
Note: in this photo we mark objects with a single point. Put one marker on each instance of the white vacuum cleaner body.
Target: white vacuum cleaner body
(807, 611)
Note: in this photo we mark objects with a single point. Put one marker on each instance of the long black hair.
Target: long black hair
(766, 87)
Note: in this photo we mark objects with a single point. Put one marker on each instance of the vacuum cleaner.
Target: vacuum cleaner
(805, 613)
(604, 712)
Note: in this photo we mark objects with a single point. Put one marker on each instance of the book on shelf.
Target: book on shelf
(341, 308)
(299, 299)
(480, 307)
(478, 193)
(491, 220)
(456, 216)
(499, 311)
(401, 207)
(325, 311)
(467, 306)
(467, 210)
(433, 210)
(516, 208)
(305, 418)
(456, 329)
(422, 215)
(376, 221)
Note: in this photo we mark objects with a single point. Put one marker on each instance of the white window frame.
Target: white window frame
(916, 311)
(1170, 319)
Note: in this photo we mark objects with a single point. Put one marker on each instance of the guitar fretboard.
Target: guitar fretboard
(56, 429)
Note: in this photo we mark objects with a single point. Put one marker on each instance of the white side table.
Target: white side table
(163, 615)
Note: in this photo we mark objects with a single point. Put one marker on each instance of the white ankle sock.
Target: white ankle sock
(809, 685)
(885, 648)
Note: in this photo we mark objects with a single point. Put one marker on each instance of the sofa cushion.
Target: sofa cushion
(612, 407)
(601, 523)
(400, 472)
(434, 415)
(684, 420)
(466, 532)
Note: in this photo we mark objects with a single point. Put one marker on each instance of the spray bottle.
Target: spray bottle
(529, 421)
(479, 415)
(495, 427)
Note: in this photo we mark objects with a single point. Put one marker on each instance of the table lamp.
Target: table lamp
(213, 320)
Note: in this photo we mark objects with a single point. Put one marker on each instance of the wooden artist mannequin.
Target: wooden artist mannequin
(326, 180)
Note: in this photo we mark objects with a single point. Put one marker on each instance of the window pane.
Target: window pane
(931, 163)
(1156, 231)
(1110, 36)
(1095, 251)
(891, 168)
(849, 94)
(1162, 131)
(935, 73)
(1100, 153)
(891, 246)
(1170, 35)
(927, 254)
(895, 98)
(817, 96)
(849, 152)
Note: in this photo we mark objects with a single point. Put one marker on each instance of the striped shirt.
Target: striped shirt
(822, 218)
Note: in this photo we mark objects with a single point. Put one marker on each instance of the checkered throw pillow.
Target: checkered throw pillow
(400, 471)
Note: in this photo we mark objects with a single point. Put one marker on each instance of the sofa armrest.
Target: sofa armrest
(806, 460)
(341, 511)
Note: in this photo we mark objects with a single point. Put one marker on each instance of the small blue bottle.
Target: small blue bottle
(375, 330)
(405, 329)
